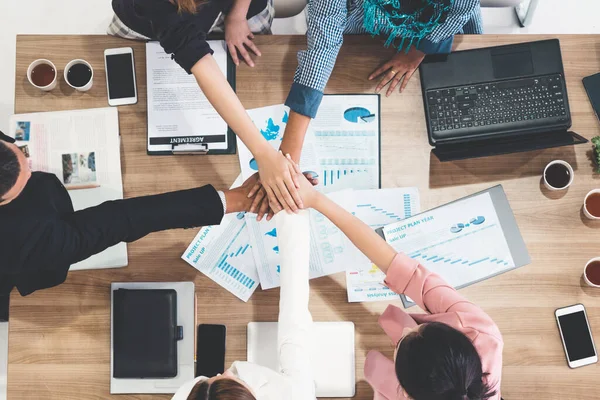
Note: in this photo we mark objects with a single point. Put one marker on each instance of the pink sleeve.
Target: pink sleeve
(427, 289)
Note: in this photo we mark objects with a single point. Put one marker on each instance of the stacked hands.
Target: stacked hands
(294, 190)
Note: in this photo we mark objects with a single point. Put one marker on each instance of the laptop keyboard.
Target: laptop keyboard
(515, 103)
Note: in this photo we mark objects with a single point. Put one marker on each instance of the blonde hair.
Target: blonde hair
(189, 6)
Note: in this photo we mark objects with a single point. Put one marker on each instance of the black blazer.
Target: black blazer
(41, 235)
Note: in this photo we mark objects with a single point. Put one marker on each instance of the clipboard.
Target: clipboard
(193, 144)
(509, 226)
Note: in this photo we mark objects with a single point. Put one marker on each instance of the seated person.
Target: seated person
(453, 352)
(41, 235)
(294, 381)
(414, 27)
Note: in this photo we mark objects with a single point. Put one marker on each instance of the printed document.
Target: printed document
(223, 253)
(376, 208)
(178, 112)
(463, 242)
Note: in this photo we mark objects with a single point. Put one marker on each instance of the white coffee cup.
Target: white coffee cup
(585, 210)
(34, 64)
(88, 85)
(585, 278)
(571, 174)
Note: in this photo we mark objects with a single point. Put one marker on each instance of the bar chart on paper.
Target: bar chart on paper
(231, 272)
(224, 254)
(376, 208)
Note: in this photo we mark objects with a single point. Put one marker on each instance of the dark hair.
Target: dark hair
(9, 169)
(221, 389)
(440, 363)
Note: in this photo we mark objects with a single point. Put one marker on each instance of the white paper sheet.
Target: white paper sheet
(178, 111)
(223, 253)
(376, 208)
(346, 133)
(462, 242)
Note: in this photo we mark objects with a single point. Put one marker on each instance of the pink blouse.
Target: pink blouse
(444, 304)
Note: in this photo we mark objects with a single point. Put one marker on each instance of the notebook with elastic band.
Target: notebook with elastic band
(145, 333)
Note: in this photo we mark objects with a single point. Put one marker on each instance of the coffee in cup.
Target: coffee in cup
(558, 175)
(591, 204)
(79, 75)
(42, 74)
(591, 272)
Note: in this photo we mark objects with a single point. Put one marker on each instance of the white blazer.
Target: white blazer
(294, 380)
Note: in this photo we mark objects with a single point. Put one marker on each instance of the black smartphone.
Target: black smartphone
(210, 350)
(592, 87)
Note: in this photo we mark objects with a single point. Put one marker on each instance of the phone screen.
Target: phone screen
(577, 336)
(592, 87)
(210, 350)
(119, 70)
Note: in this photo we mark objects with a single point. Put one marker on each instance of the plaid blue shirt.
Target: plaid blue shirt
(329, 20)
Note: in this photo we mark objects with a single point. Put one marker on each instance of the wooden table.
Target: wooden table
(59, 338)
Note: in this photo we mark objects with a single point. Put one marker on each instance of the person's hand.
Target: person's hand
(238, 36)
(239, 199)
(260, 202)
(401, 65)
(306, 187)
(278, 177)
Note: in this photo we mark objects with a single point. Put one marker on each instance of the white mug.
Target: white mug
(34, 64)
(585, 211)
(571, 173)
(88, 85)
(585, 278)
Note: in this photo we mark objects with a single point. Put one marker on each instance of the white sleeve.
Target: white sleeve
(295, 321)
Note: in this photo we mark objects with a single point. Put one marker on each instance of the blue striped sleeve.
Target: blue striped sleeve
(326, 23)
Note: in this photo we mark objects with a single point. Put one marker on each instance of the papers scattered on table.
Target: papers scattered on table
(376, 208)
(341, 144)
(463, 242)
(329, 250)
(222, 252)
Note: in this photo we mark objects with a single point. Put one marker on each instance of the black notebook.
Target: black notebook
(145, 333)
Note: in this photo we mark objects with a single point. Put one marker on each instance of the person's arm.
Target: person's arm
(403, 274)
(295, 320)
(73, 237)
(293, 139)
(181, 34)
(325, 35)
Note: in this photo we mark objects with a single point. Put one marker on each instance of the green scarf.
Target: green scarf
(408, 20)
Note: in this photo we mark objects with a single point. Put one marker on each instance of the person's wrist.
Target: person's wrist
(237, 201)
(236, 15)
(316, 201)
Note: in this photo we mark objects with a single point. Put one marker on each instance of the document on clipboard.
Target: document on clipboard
(181, 120)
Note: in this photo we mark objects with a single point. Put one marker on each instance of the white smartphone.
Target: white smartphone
(120, 76)
(576, 335)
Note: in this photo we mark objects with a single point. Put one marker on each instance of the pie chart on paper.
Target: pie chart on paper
(358, 115)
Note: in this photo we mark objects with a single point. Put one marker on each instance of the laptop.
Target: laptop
(497, 100)
(332, 354)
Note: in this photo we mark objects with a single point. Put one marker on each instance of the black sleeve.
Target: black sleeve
(81, 234)
(180, 34)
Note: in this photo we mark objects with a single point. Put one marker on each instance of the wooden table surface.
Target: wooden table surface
(59, 338)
